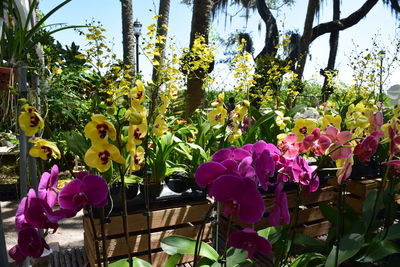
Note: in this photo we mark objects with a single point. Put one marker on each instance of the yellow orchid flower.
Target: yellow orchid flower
(136, 134)
(217, 116)
(357, 116)
(240, 111)
(281, 120)
(30, 120)
(137, 94)
(219, 101)
(136, 115)
(137, 158)
(236, 134)
(101, 155)
(302, 128)
(43, 149)
(330, 120)
(99, 128)
(160, 126)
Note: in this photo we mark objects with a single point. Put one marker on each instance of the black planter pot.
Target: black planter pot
(178, 182)
(366, 170)
(154, 190)
(131, 191)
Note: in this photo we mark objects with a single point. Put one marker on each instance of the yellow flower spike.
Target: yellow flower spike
(136, 115)
(219, 101)
(331, 120)
(99, 128)
(137, 94)
(136, 134)
(281, 120)
(137, 158)
(302, 128)
(236, 134)
(160, 126)
(30, 121)
(357, 116)
(217, 116)
(44, 149)
(100, 156)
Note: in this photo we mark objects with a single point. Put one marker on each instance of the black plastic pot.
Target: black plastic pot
(366, 170)
(131, 191)
(178, 182)
(154, 190)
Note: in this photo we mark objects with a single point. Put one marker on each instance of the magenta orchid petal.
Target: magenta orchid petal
(207, 172)
(245, 168)
(367, 148)
(20, 220)
(31, 243)
(37, 214)
(249, 240)
(280, 211)
(81, 174)
(96, 189)
(248, 147)
(240, 196)
(265, 168)
(16, 254)
(67, 194)
(47, 189)
(239, 154)
(222, 154)
(231, 166)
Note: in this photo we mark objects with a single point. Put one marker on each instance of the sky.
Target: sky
(379, 21)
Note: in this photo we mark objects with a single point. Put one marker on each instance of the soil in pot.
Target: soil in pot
(177, 182)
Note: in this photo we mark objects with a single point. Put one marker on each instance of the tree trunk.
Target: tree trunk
(128, 38)
(327, 90)
(201, 18)
(271, 30)
(306, 37)
(162, 23)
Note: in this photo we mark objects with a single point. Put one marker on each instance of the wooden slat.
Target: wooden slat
(316, 229)
(158, 219)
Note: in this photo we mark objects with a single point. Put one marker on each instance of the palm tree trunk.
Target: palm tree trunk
(162, 23)
(128, 39)
(333, 44)
(201, 18)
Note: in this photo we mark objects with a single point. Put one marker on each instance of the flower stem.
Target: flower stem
(103, 237)
(95, 236)
(226, 238)
(340, 219)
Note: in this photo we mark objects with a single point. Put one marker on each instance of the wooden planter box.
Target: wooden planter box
(182, 220)
(310, 221)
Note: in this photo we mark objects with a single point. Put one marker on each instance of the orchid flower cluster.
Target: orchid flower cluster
(30, 123)
(36, 210)
(233, 176)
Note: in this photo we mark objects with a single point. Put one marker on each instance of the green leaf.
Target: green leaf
(305, 240)
(173, 260)
(183, 245)
(136, 263)
(330, 213)
(235, 256)
(308, 259)
(273, 234)
(348, 247)
(379, 250)
(205, 262)
(369, 205)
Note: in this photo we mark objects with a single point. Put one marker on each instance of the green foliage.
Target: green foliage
(136, 262)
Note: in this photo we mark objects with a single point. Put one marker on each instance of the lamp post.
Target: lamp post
(137, 29)
(381, 55)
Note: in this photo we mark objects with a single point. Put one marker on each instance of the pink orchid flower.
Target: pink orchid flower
(338, 139)
(394, 139)
(367, 148)
(249, 240)
(376, 122)
(290, 147)
(316, 143)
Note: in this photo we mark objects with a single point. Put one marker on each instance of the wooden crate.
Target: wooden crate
(357, 191)
(310, 221)
(182, 220)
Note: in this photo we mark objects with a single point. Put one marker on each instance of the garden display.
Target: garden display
(170, 170)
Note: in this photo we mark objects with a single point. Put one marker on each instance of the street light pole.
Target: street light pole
(137, 29)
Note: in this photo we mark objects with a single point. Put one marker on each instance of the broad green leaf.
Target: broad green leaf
(205, 262)
(235, 256)
(271, 233)
(136, 263)
(173, 260)
(348, 247)
(305, 240)
(308, 259)
(368, 206)
(330, 213)
(379, 250)
(183, 245)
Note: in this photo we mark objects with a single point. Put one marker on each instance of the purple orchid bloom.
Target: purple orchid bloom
(35, 212)
(240, 196)
(367, 148)
(207, 172)
(265, 168)
(280, 211)
(260, 146)
(249, 240)
(298, 171)
(233, 153)
(30, 244)
(86, 189)
(48, 186)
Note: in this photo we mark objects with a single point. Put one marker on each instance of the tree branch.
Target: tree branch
(271, 34)
(342, 24)
(395, 5)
